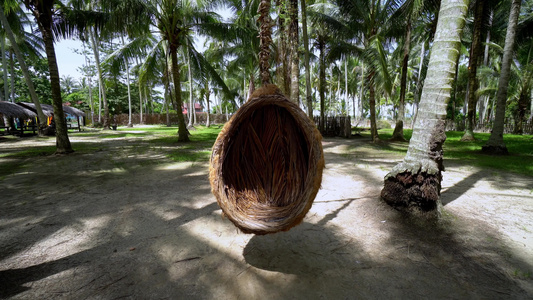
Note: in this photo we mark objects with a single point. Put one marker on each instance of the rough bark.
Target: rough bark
(308, 97)
(473, 82)
(414, 184)
(265, 37)
(495, 144)
(295, 61)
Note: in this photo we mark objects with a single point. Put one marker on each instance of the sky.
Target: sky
(68, 61)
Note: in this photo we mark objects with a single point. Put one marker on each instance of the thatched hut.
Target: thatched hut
(266, 165)
(11, 110)
(48, 111)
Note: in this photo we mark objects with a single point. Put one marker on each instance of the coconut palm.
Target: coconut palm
(415, 183)
(404, 18)
(362, 24)
(175, 21)
(9, 32)
(496, 144)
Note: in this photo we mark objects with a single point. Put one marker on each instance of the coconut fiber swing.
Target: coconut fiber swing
(266, 165)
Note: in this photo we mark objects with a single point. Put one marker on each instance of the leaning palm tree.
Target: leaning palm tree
(414, 184)
(22, 63)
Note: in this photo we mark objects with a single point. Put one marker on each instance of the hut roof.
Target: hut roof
(73, 111)
(9, 109)
(48, 110)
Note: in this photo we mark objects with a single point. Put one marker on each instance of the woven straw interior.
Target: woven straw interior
(266, 166)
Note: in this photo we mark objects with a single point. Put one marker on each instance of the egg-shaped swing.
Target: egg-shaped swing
(266, 165)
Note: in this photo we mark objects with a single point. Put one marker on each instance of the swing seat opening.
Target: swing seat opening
(266, 165)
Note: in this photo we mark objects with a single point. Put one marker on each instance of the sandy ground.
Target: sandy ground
(120, 223)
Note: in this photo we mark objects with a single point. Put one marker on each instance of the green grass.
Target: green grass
(519, 160)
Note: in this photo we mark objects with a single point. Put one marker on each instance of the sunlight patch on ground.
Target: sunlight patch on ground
(63, 242)
(175, 166)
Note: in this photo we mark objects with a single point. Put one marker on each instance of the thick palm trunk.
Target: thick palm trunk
(62, 140)
(397, 135)
(495, 144)
(414, 184)
(265, 39)
(308, 92)
(106, 124)
(25, 72)
(473, 82)
(182, 128)
(295, 61)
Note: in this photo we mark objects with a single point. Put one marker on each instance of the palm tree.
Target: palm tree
(495, 144)
(414, 184)
(265, 37)
(308, 96)
(24, 68)
(404, 17)
(175, 21)
(362, 22)
(45, 15)
(480, 13)
(294, 57)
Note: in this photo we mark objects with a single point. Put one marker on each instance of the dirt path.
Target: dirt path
(126, 222)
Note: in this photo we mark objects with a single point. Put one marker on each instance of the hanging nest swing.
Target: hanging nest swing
(266, 165)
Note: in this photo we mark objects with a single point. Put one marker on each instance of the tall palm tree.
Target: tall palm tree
(22, 63)
(46, 14)
(480, 13)
(308, 96)
(496, 144)
(362, 23)
(176, 20)
(403, 18)
(414, 184)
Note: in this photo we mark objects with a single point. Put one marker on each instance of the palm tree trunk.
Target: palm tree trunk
(308, 92)
(414, 184)
(182, 128)
(295, 61)
(207, 93)
(397, 135)
(94, 41)
(265, 37)
(62, 140)
(372, 101)
(25, 72)
(322, 85)
(4, 66)
(473, 82)
(495, 144)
